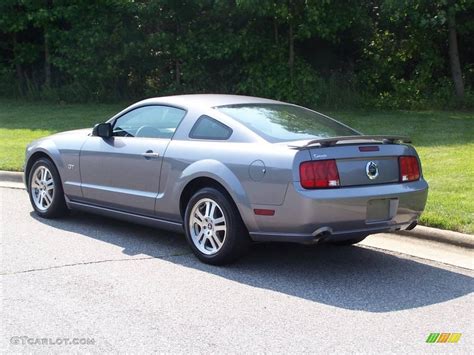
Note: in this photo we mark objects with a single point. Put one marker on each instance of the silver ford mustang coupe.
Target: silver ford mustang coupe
(230, 170)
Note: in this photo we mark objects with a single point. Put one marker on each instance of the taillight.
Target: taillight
(409, 168)
(320, 174)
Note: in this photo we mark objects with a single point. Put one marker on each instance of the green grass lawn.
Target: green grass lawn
(444, 140)
(21, 122)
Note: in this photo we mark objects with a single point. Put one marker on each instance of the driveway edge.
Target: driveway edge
(441, 236)
(420, 232)
(11, 176)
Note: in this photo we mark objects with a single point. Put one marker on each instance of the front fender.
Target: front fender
(63, 149)
(44, 147)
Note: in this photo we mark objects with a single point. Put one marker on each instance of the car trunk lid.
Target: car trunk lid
(360, 160)
(368, 171)
(359, 167)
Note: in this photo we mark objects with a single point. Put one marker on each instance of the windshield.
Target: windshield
(284, 123)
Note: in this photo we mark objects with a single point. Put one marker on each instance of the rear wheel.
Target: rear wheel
(214, 228)
(45, 190)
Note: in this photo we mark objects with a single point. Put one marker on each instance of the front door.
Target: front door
(123, 172)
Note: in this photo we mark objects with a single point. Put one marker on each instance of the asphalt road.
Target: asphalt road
(123, 287)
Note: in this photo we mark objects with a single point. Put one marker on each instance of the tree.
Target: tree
(434, 21)
(390, 53)
(454, 52)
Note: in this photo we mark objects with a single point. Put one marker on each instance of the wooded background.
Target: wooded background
(413, 54)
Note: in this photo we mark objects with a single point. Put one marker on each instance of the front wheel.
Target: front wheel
(214, 228)
(45, 190)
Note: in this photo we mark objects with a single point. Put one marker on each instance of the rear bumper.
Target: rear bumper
(308, 215)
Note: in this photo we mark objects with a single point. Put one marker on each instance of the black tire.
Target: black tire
(236, 239)
(57, 207)
(348, 241)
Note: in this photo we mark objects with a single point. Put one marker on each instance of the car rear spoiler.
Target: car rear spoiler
(327, 142)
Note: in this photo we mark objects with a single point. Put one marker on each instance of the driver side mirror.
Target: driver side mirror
(103, 130)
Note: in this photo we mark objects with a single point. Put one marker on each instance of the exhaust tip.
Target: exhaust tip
(321, 234)
(412, 225)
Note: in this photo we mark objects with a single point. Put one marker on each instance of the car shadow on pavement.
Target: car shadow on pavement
(355, 278)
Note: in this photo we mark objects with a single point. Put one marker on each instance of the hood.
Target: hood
(69, 139)
(76, 132)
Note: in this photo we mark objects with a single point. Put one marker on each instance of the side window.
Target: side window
(209, 128)
(149, 122)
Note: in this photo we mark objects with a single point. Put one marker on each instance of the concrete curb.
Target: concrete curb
(11, 176)
(441, 236)
(12, 179)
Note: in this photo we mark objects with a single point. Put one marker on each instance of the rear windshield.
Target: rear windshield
(282, 123)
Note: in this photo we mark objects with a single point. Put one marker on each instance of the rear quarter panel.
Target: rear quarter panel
(252, 173)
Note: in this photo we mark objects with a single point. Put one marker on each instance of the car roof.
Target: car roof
(206, 100)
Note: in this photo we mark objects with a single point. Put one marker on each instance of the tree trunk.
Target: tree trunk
(454, 55)
(291, 49)
(18, 68)
(275, 30)
(177, 62)
(47, 59)
(47, 63)
(178, 72)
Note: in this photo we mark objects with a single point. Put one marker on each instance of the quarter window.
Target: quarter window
(149, 122)
(284, 123)
(209, 128)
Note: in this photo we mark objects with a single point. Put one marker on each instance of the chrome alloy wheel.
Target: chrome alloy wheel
(42, 188)
(208, 226)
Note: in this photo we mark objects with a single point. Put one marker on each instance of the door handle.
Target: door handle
(150, 154)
